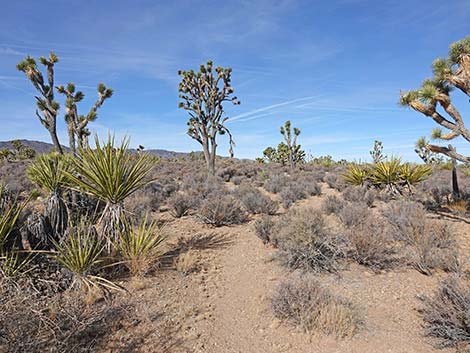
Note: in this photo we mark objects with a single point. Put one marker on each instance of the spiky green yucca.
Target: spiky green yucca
(14, 263)
(140, 246)
(413, 174)
(80, 252)
(386, 173)
(355, 174)
(49, 172)
(111, 174)
(10, 210)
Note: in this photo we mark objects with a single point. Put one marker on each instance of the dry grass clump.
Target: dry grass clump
(30, 322)
(430, 244)
(447, 314)
(301, 301)
(306, 243)
(187, 262)
(221, 209)
(255, 201)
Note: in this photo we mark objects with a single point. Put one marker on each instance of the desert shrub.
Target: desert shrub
(435, 248)
(304, 242)
(276, 183)
(406, 219)
(359, 194)
(30, 322)
(263, 229)
(447, 314)
(180, 204)
(238, 179)
(294, 191)
(255, 201)
(335, 181)
(301, 301)
(220, 210)
(430, 244)
(331, 204)
(311, 188)
(353, 214)
(370, 245)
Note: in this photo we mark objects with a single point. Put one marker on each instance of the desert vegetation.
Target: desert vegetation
(106, 248)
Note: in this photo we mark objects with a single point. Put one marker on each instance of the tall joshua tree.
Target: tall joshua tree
(77, 124)
(434, 94)
(203, 94)
(291, 142)
(47, 107)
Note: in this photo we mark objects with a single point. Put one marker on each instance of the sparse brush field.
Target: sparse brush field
(104, 248)
(135, 254)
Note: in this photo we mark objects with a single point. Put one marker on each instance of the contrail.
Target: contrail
(269, 107)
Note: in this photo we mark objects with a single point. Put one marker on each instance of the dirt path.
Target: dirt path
(242, 321)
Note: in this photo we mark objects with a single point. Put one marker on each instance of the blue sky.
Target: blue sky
(334, 68)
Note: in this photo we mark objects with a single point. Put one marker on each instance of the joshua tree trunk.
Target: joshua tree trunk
(55, 140)
(455, 182)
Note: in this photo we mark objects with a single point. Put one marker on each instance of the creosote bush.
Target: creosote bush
(370, 245)
(352, 214)
(255, 201)
(220, 210)
(429, 244)
(447, 314)
(263, 229)
(180, 204)
(301, 301)
(306, 243)
(331, 205)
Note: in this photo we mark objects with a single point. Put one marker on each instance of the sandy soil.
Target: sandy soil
(224, 305)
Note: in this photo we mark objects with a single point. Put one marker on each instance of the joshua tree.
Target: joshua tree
(291, 142)
(203, 94)
(377, 152)
(426, 155)
(47, 106)
(434, 93)
(77, 124)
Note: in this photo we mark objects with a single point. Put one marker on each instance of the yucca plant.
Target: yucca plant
(10, 210)
(355, 174)
(49, 172)
(110, 174)
(14, 263)
(413, 174)
(80, 251)
(387, 173)
(140, 246)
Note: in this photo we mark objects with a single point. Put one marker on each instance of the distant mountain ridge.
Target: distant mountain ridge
(45, 147)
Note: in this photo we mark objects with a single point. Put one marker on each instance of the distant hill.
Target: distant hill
(38, 146)
(44, 147)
